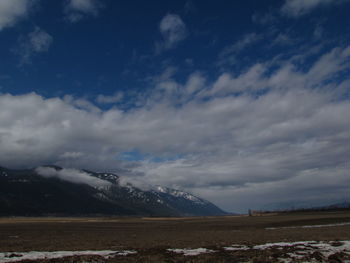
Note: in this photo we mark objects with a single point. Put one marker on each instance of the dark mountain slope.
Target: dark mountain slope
(26, 193)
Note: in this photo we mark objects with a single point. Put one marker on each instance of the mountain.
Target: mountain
(52, 190)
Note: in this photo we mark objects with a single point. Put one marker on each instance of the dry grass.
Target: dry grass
(152, 236)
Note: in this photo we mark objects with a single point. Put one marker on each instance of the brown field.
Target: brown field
(151, 237)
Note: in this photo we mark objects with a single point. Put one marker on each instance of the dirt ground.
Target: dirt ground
(151, 237)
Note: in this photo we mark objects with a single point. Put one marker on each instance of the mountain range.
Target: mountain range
(55, 191)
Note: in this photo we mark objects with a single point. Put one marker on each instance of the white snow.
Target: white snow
(309, 226)
(281, 244)
(36, 255)
(324, 248)
(301, 249)
(327, 249)
(178, 193)
(298, 251)
(236, 248)
(191, 252)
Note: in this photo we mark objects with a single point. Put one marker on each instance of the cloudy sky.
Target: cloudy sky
(245, 103)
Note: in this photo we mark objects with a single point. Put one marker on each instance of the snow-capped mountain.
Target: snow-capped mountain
(180, 194)
(52, 190)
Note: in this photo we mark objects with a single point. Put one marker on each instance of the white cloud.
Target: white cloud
(173, 30)
(72, 175)
(264, 19)
(253, 79)
(228, 56)
(37, 41)
(76, 10)
(318, 32)
(195, 82)
(40, 41)
(103, 99)
(11, 11)
(286, 77)
(247, 40)
(296, 8)
(283, 39)
(289, 142)
(71, 155)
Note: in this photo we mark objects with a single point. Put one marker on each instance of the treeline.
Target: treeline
(331, 208)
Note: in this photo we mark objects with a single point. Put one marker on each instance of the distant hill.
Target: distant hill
(343, 206)
(52, 190)
(333, 207)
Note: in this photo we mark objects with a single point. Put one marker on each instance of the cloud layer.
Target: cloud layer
(173, 30)
(272, 132)
(72, 175)
(76, 10)
(11, 11)
(37, 41)
(296, 8)
(263, 130)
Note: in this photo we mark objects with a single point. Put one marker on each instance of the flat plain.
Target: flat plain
(222, 239)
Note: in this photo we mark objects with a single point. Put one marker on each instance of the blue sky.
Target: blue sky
(242, 102)
(115, 49)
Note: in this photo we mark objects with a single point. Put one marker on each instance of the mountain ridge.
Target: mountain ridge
(53, 190)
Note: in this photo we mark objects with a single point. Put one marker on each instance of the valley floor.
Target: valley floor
(287, 237)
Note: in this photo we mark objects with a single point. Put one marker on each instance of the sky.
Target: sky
(244, 103)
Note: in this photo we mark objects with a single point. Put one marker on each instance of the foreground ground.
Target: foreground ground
(221, 239)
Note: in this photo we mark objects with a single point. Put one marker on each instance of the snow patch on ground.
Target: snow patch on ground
(302, 250)
(191, 252)
(309, 226)
(36, 255)
(288, 252)
(237, 248)
(283, 244)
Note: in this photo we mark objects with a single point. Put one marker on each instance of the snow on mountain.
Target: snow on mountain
(180, 194)
(55, 190)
